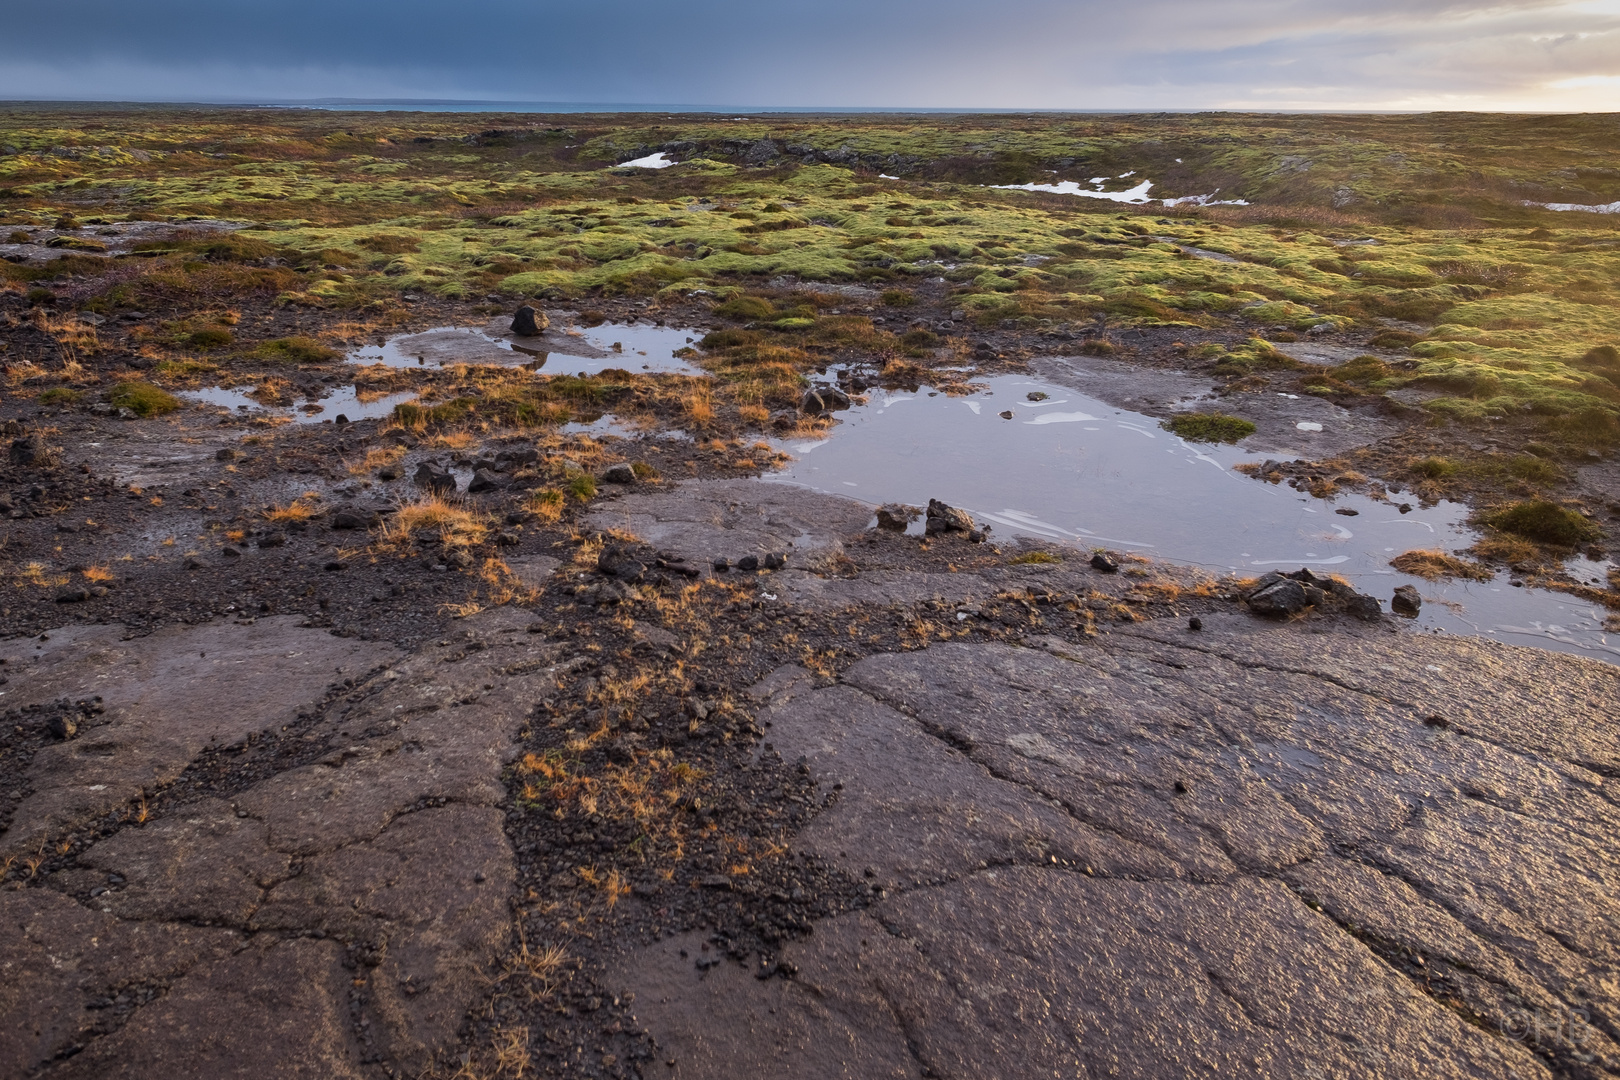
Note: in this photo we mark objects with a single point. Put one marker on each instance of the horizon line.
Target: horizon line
(403, 104)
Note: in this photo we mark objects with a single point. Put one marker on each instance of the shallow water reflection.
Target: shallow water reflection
(635, 347)
(1073, 469)
(343, 401)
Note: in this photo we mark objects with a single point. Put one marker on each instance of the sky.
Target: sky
(1536, 55)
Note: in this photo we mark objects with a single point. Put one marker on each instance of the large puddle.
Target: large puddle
(634, 347)
(1073, 469)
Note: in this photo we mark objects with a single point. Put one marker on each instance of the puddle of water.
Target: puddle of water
(341, 402)
(635, 347)
(1136, 196)
(1071, 468)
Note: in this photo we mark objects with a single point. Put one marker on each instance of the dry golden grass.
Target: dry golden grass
(698, 404)
(1502, 548)
(375, 459)
(756, 415)
(99, 574)
(1433, 565)
(37, 573)
(547, 504)
(300, 509)
(456, 526)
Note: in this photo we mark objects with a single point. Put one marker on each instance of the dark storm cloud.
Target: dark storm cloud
(1019, 53)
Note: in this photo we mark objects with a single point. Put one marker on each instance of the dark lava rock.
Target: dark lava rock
(516, 458)
(335, 566)
(62, 728)
(748, 562)
(227, 453)
(776, 560)
(1195, 623)
(390, 472)
(622, 473)
(1006, 414)
(722, 565)
(1104, 562)
(1345, 511)
(944, 519)
(28, 451)
(352, 517)
(436, 478)
(812, 403)
(896, 516)
(528, 322)
(73, 596)
(1406, 601)
(484, 480)
(834, 398)
(1363, 607)
(619, 561)
(272, 539)
(1277, 595)
(508, 539)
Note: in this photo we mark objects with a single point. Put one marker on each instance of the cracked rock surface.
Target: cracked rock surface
(1245, 852)
(343, 910)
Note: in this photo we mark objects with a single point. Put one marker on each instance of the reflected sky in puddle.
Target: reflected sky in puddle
(635, 347)
(1074, 469)
(341, 402)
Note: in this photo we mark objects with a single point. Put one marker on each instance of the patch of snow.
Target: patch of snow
(651, 161)
(1603, 208)
(1308, 425)
(1136, 195)
(886, 176)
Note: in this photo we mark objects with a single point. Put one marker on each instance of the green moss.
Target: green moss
(185, 368)
(60, 395)
(142, 398)
(210, 338)
(1434, 468)
(582, 486)
(1545, 523)
(295, 350)
(1209, 427)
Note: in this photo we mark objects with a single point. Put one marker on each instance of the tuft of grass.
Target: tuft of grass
(547, 504)
(295, 350)
(183, 368)
(143, 399)
(1432, 565)
(300, 509)
(1433, 468)
(582, 486)
(213, 337)
(1545, 523)
(1035, 558)
(1209, 427)
(898, 298)
(60, 395)
(456, 526)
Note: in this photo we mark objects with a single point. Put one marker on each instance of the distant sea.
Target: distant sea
(453, 106)
(432, 105)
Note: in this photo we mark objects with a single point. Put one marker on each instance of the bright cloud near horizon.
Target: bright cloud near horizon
(1534, 55)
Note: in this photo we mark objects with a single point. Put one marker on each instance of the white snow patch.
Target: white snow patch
(1601, 208)
(651, 161)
